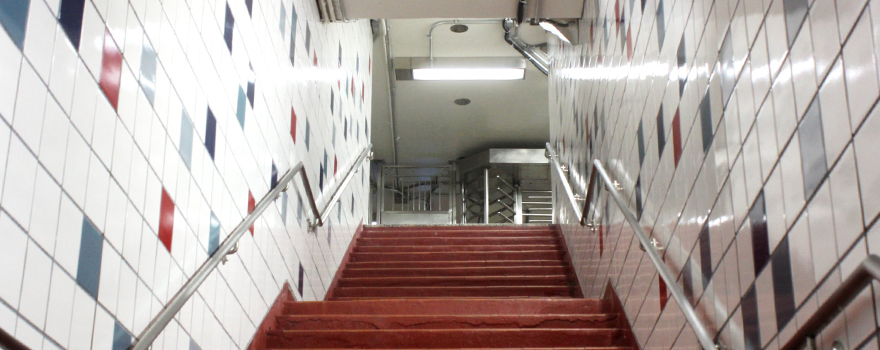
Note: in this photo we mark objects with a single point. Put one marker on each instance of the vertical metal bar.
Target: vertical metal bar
(381, 206)
(451, 191)
(518, 216)
(486, 196)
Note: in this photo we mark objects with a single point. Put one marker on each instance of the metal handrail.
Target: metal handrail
(230, 244)
(862, 277)
(7, 341)
(687, 309)
(573, 199)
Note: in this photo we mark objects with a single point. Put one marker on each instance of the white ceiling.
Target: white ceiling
(431, 129)
(396, 9)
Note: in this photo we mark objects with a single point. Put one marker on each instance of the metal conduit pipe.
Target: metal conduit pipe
(511, 35)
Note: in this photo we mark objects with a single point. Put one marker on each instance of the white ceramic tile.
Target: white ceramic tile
(40, 38)
(70, 220)
(12, 259)
(822, 235)
(847, 212)
(18, 189)
(84, 314)
(860, 71)
(824, 30)
(35, 286)
(847, 13)
(104, 132)
(27, 334)
(104, 328)
(76, 167)
(10, 66)
(29, 107)
(792, 181)
(784, 105)
(53, 140)
(60, 310)
(96, 194)
(62, 78)
(777, 40)
(835, 113)
(84, 96)
(803, 70)
(91, 42)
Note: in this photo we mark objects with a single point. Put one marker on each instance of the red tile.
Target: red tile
(335, 165)
(352, 86)
(166, 220)
(315, 59)
(293, 125)
(617, 15)
(111, 69)
(251, 205)
(629, 44)
(676, 136)
(664, 295)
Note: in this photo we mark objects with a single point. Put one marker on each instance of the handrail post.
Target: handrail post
(486, 194)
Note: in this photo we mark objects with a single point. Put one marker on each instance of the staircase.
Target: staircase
(451, 287)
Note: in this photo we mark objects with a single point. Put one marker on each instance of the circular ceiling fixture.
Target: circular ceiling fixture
(462, 101)
(459, 28)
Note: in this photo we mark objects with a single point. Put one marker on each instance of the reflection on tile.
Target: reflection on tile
(795, 12)
(812, 149)
(783, 288)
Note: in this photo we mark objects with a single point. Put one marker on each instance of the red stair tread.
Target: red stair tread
(455, 271)
(460, 263)
(456, 248)
(459, 255)
(491, 291)
(444, 338)
(456, 281)
(364, 242)
(456, 306)
(348, 321)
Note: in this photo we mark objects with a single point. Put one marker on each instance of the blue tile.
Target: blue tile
(186, 139)
(88, 270)
(13, 17)
(213, 234)
(795, 13)
(282, 21)
(71, 18)
(661, 23)
(227, 31)
(812, 143)
(308, 38)
(641, 139)
(324, 171)
(661, 133)
(299, 208)
(332, 99)
(783, 287)
(121, 337)
(345, 129)
(340, 54)
(333, 136)
(210, 133)
(292, 34)
(273, 177)
(308, 133)
(240, 109)
(706, 121)
(705, 255)
(148, 71)
(357, 63)
(751, 328)
(760, 242)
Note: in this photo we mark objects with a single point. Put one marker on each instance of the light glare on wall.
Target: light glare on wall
(470, 68)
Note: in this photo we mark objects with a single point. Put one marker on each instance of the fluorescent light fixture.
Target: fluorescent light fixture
(469, 68)
(550, 27)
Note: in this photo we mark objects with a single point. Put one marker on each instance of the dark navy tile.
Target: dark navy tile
(681, 59)
(783, 287)
(706, 121)
(300, 280)
(340, 54)
(308, 38)
(240, 108)
(795, 13)
(230, 25)
(760, 242)
(352, 196)
(812, 142)
(292, 34)
(149, 64)
(88, 270)
(751, 328)
(210, 133)
(71, 18)
(705, 255)
(251, 91)
(638, 190)
(186, 139)
(661, 23)
(641, 141)
(273, 177)
(687, 282)
(213, 234)
(661, 133)
(321, 177)
(308, 132)
(324, 172)
(121, 337)
(299, 208)
(250, 7)
(13, 17)
(728, 71)
(345, 129)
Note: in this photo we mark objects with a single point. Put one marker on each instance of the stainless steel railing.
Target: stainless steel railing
(650, 247)
(230, 244)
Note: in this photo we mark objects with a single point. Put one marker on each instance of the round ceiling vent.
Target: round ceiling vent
(459, 28)
(462, 101)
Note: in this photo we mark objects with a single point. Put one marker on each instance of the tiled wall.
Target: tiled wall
(137, 134)
(744, 135)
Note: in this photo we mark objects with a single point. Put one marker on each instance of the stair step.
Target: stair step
(341, 322)
(451, 292)
(457, 234)
(460, 256)
(448, 264)
(476, 306)
(364, 242)
(457, 281)
(444, 338)
(482, 228)
(455, 271)
(553, 348)
(459, 248)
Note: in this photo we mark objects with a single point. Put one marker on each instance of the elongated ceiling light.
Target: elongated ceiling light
(469, 68)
